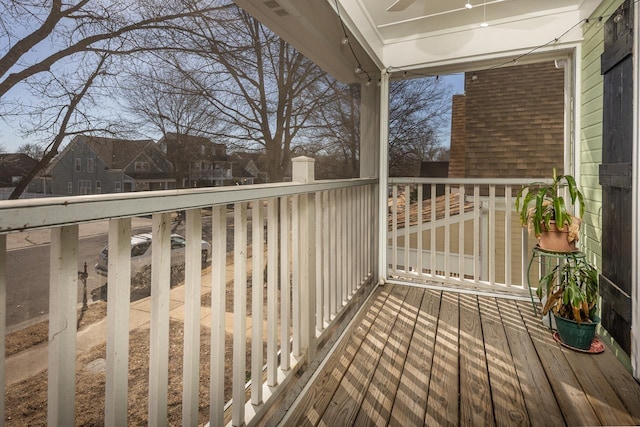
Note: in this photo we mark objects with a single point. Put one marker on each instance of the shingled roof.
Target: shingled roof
(117, 153)
(441, 205)
(14, 164)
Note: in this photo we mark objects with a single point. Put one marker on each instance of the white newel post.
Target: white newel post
(303, 172)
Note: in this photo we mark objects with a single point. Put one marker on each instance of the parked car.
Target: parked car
(141, 253)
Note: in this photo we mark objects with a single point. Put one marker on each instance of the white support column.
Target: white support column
(63, 298)
(118, 297)
(159, 341)
(369, 131)
(192, 291)
(303, 172)
(384, 174)
(3, 318)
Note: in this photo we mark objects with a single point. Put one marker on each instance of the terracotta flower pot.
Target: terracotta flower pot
(555, 240)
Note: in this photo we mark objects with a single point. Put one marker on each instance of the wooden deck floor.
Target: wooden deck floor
(424, 357)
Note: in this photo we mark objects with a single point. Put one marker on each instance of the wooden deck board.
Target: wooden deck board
(442, 400)
(625, 387)
(316, 400)
(410, 402)
(542, 407)
(475, 394)
(424, 357)
(572, 400)
(378, 401)
(607, 406)
(345, 404)
(508, 403)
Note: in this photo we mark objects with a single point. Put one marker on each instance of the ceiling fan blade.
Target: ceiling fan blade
(399, 5)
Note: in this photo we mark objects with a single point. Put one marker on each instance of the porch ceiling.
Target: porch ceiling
(439, 35)
(444, 33)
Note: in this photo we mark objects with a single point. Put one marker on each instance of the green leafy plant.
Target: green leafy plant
(549, 204)
(572, 290)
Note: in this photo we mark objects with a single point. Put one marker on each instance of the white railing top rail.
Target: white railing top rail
(469, 181)
(20, 215)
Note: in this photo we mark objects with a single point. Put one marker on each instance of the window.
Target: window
(118, 186)
(98, 187)
(141, 166)
(90, 162)
(196, 166)
(70, 187)
(177, 242)
(139, 249)
(84, 186)
(78, 164)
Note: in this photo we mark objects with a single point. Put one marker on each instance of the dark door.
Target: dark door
(615, 175)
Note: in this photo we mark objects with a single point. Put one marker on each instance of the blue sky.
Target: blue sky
(456, 81)
(10, 138)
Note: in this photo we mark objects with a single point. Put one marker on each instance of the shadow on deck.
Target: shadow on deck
(415, 356)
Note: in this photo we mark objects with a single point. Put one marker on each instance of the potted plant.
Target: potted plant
(572, 293)
(555, 227)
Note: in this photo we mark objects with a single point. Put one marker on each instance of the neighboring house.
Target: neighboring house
(197, 162)
(245, 171)
(14, 167)
(254, 163)
(94, 165)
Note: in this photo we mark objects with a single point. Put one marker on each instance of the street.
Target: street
(28, 278)
(28, 266)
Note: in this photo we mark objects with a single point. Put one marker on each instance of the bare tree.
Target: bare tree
(270, 90)
(337, 130)
(417, 110)
(35, 151)
(158, 98)
(66, 36)
(61, 124)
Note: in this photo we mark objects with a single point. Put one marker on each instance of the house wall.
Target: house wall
(64, 171)
(513, 123)
(458, 137)
(591, 101)
(591, 90)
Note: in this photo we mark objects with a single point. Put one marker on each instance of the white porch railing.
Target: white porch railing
(319, 248)
(459, 232)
